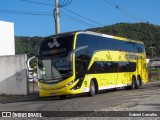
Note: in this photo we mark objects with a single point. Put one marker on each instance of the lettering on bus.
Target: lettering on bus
(132, 57)
(108, 56)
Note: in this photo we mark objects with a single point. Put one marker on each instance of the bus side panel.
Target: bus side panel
(123, 79)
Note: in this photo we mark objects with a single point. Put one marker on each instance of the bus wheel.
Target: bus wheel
(92, 91)
(62, 96)
(138, 82)
(133, 86)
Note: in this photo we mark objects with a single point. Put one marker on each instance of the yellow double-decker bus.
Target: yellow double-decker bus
(87, 62)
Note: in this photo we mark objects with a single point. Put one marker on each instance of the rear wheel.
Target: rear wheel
(138, 83)
(92, 91)
(133, 86)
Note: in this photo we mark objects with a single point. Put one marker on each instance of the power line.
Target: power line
(64, 4)
(40, 3)
(83, 17)
(124, 11)
(44, 14)
(78, 20)
(25, 12)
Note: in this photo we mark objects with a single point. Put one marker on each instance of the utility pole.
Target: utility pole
(152, 51)
(57, 15)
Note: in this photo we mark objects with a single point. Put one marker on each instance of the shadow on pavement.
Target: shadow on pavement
(4, 99)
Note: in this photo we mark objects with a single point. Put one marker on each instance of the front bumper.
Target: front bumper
(52, 90)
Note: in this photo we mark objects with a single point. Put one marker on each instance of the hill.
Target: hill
(27, 45)
(148, 33)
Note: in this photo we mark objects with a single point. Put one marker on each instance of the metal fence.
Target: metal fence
(32, 82)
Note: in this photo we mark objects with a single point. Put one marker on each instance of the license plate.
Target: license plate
(53, 94)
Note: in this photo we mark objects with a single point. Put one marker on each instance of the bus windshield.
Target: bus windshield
(54, 69)
(53, 64)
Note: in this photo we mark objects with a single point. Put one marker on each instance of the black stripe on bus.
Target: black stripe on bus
(111, 67)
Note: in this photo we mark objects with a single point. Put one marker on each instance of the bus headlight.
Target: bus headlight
(40, 87)
(71, 83)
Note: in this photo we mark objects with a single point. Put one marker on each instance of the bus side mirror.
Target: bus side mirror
(70, 55)
(28, 62)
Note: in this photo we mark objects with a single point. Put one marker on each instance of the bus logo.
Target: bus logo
(6, 114)
(55, 43)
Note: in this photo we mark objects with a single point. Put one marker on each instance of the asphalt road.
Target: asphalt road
(106, 100)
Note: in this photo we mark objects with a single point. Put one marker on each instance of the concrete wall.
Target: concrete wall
(7, 44)
(13, 75)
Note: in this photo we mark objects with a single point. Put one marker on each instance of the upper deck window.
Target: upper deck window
(56, 46)
(99, 43)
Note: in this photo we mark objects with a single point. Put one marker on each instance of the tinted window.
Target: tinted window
(53, 46)
(86, 53)
(112, 67)
(98, 43)
(127, 66)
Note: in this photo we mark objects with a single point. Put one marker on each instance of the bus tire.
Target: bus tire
(133, 85)
(138, 82)
(92, 90)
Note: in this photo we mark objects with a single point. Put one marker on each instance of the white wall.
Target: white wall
(13, 75)
(7, 44)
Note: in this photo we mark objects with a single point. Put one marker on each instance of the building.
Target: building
(7, 43)
(154, 62)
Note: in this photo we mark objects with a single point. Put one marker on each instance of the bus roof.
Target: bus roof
(108, 36)
(62, 34)
(94, 33)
